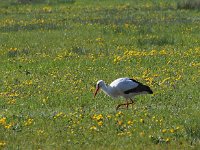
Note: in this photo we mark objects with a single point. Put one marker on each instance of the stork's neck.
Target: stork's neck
(107, 89)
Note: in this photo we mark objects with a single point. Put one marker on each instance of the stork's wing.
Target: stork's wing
(124, 84)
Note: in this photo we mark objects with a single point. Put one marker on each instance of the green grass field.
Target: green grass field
(52, 53)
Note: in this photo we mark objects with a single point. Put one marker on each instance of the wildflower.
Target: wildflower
(59, 114)
(13, 49)
(149, 80)
(163, 52)
(119, 122)
(130, 122)
(164, 130)
(119, 114)
(108, 116)
(39, 132)
(47, 9)
(2, 143)
(12, 101)
(142, 120)
(93, 128)
(117, 59)
(3, 120)
(28, 122)
(100, 123)
(128, 133)
(167, 140)
(121, 133)
(8, 126)
(152, 52)
(99, 117)
(172, 130)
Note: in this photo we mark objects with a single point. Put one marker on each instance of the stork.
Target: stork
(124, 87)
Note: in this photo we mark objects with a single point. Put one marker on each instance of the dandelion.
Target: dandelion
(3, 121)
(93, 128)
(119, 114)
(163, 52)
(28, 122)
(177, 128)
(142, 120)
(47, 9)
(128, 133)
(152, 52)
(130, 122)
(117, 59)
(119, 122)
(108, 116)
(164, 130)
(12, 101)
(167, 140)
(2, 143)
(8, 126)
(172, 130)
(100, 123)
(40, 132)
(97, 117)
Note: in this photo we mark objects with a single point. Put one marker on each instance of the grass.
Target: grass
(53, 53)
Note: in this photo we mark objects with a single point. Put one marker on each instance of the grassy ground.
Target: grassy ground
(53, 53)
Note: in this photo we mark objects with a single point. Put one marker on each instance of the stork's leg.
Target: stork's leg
(126, 104)
(132, 102)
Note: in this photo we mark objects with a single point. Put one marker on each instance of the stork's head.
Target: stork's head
(100, 83)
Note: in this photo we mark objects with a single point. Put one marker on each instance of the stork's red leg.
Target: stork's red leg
(126, 104)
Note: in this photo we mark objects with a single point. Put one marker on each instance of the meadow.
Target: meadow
(52, 53)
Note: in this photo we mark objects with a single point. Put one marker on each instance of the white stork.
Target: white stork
(124, 87)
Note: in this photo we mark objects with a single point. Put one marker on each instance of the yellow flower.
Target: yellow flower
(2, 143)
(119, 122)
(167, 140)
(172, 130)
(154, 117)
(117, 59)
(164, 130)
(100, 123)
(8, 126)
(28, 122)
(93, 128)
(163, 52)
(39, 132)
(99, 117)
(119, 114)
(142, 120)
(130, 122)
(108, 116)
(152, 52)
(3, 120)
(12, 101)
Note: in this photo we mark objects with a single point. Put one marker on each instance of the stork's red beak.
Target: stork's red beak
(96, 91)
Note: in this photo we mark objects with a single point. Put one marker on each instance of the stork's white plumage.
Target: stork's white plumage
(124, 87)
